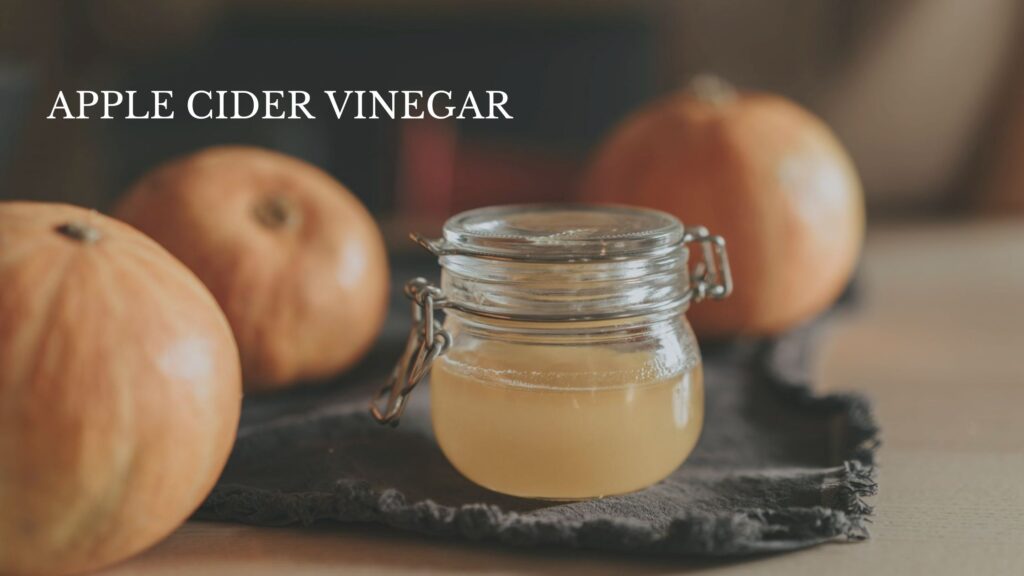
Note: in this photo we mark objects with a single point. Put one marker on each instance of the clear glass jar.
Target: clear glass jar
(565, 368)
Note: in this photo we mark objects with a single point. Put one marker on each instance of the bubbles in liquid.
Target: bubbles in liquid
(566, 422)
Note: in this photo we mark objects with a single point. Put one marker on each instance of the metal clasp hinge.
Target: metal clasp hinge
(426, 342)
(712, 277)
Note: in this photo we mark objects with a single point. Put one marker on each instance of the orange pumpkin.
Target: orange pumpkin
(296, 262)
(760, 171)
(120, 390)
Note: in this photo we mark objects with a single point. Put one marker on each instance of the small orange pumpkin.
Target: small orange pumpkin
(760, 171)
(120, 390)
(296, 262)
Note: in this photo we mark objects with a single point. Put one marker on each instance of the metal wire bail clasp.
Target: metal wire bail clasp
(426, 342)
(711, 277)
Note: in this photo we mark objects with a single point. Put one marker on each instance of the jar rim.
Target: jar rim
(558, 233)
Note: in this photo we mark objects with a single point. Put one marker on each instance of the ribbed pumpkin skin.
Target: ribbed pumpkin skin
(306, 296)
(120, 391)
(760, 171)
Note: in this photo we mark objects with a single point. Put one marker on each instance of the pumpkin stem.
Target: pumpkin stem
(79, 232)
(711, 89)
(276, 212)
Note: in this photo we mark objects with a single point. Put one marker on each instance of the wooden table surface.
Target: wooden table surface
(938, 344)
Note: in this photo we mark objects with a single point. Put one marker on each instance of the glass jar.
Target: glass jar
(565, 367)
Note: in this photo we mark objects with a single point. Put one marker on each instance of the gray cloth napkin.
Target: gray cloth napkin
(777, 468)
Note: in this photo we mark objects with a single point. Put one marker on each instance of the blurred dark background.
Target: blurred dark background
(927, 94)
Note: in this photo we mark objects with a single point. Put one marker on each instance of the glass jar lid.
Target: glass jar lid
(558, 233)
(573, 262)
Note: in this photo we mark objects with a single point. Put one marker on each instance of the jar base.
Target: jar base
(497, 487)
(562, 499)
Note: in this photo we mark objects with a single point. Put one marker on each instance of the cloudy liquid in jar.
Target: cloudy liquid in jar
(565, 422)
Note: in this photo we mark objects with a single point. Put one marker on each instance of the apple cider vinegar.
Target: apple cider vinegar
(564, 368)
(564, 422)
